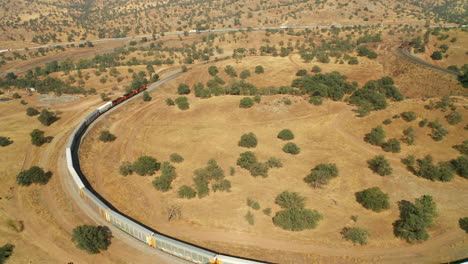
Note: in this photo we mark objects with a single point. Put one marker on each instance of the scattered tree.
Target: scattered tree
(356, 235)
(244, 74)
(182, 103)
(373, 199)
(5, 252)
(170, 102)
(175, 157)
(106, 136)
(4, 141)
(248, 140)
(31, 111)
(145, 165)
(408, 116)
(259, 69)
(291, 148)
(463, 222)
(454, 118)
(392, 145)
(380, 165)
(285, 134)
(376, 136)
(246, 102)
(186, 191)
(33, 175)
(183, 89)
(146, 96)
(321, 175)
(302, 72)
(316, 69)
(92, 239)
(38, 139)
(47, 118)
(213, 70)
(126, 168)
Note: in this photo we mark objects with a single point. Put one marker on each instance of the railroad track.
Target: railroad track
(405, 52)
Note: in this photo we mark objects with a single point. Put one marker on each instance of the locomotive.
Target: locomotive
(186, 251)
(407, 44)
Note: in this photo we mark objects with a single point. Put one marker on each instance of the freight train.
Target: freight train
(186, 251)
(406, 44)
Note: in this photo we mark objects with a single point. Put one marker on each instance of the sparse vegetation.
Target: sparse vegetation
(294, 216)
(356, 235)
(321, 175)
(246, 102)
(182, 103)
(92, 239)
(38, 138)
(373, 199)
(248, 140)
(106, 136)
(34, 175)
(380, 165)
(177, 158)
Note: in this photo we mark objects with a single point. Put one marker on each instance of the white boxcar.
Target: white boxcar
(232, 260)
(183, 250)
(105, 107)
(71, 169)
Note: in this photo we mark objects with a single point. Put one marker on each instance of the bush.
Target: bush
(246, 160)
(146, 96)
(202, 186)
(408, 116)
(248, 141)
(356, 235)
(387, 121)
(246, 102)
(426, 169)
(353, 61)
(373, 199)
(316, 100)
(92, 239)
(182, 103)
(438, 132)
(183, 89)
(16, 96)
(463, 222)
(176, 158)
(170, 102)
(186, 191)
(454, 118)
(436, 55)
(321, 175)
(257, 99)
(409, 136)
(168, 174)
(221, 185)
(104, 97)
(302, 72)
(295, 219)
(259, 69)
(33, 175)
(267, 211)
(5, 252)
(460, 165)
(462, 148)
(47, 118)
(285, 134)
(423, 122)
(316, 69)
(250, 218)
(4, 141)
(126, 168)
(274, 163)
(230, 71)
(38, 139)
(259, 169)
(415, 218)
(106, 136)
(253, 204)
(392, 145)
(291, 148)
(380, 165)
(213, 70)
(376, 136)
(290, 200)
(244, 74)
(31, 111)
(145, 165)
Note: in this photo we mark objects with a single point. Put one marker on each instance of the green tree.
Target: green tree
(244, 74)
(230, 71)
(460, 165)
(4, 141)
(321, 174)
(463, 222)
(126, 168)
(408, 116)
(31, 111)
(409, 136)
(373, 199)
(291, 148)
(259, 69)
(288, 200)
(92, 239)
(47, 118)
(187, 192)
(436, 55)
(285, 134)
(392, 145)
(356, 235)
(246, 102)
(454, 118)
(183, 89)
(16, 96)
(106, 136)
(376, 136)
(33, 175)
(316, 69)
(145, 165)
(353, 61)
(248, 140)
(146, 96)
(302, 72)
(175, 157)
(213, 70)
(5, 252)
(168, 174)
(182, 103)
(438, 132)
(274, 163)
(170, 102)
(246, 160)
(38, 139)
(380, 165)
(295, 219)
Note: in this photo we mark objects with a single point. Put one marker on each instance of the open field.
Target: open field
(327, 133)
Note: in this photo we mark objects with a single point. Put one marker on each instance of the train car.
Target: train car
(76, 179)
(102, 109)
(222, 259)
(130, 227)
(144, 87)
(95, 203)
(406, 44)
(91, 117)
(183, 250)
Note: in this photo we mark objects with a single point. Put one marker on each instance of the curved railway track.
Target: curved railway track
(405, 52)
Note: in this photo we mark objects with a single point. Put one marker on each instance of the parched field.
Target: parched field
(330, 133)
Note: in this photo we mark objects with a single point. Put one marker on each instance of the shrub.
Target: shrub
(423, 122)
(186, 191)
(126, 168)
(408, 116)
(253, 204)
(316, 69)
(415, 218)
(250, 218)
(291, 148)
(248, 140)
(5, 252)
(246, 102)
(92, 239)
(380, 165)
(460, 165)
(438, 132)
(47, 118)
(463, 222)
(244, 74)
(16, 96)
(454, 118)
(321, 174)
(168, 174)
(176, 158)
(257, 99)
(246, 160)
(392, 145)
(221, 185)
(285, 134)
(146, 96)
(183, 89)
(232, 171)
(353, 61)
(31, 111)
(462, 148)
(296, 219)
(202, 186)
(106, 136)
(387, 121)
(33, 175)
(409, 136)
(302, 72)
(182, 103)
(373, 199)
(4, 141)
(213, 70)
(259, 69)
(376, 136)
(287, 101)
(38, 139)
(289, 200)
(316, 100)
(104, 97)
(267, 211)
(170, 102)
(230, 71)
(259, 169)
(356, 235)
(274, 163)
(426, 169)
(436, 55)
(145, 165)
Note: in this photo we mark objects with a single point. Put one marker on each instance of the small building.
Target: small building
(31, 89)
